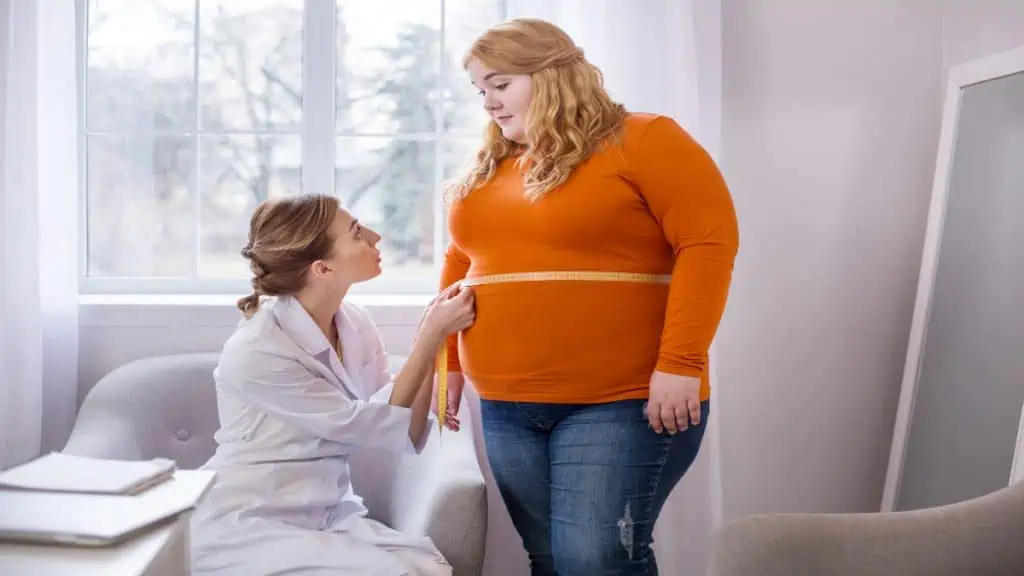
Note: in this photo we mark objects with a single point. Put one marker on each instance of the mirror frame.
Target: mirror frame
(960, 77)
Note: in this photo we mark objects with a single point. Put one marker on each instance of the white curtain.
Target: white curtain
(38, 228)
(660, 56)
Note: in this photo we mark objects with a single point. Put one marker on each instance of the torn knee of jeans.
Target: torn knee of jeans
(626, 531)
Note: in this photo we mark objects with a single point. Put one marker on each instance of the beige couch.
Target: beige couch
(166, 407)
(980, 537)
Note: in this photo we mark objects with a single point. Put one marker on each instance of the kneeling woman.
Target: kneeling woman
(302, 383)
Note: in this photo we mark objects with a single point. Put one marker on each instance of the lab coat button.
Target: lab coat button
(182, 435)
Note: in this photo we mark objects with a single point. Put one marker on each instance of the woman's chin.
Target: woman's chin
(377, 271)
(370, 274)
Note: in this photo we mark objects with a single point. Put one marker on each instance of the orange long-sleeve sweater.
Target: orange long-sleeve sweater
(655, 203)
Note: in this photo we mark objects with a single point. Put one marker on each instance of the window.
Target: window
(193, 111)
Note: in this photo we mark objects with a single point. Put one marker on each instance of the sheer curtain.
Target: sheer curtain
(38, 228)
(661, 56)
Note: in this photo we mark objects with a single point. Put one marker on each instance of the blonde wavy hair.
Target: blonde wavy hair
(570, 114)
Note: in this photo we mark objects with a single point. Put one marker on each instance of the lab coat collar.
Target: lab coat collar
(300, 327)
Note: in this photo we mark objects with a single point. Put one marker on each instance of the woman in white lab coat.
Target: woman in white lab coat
(301, 384)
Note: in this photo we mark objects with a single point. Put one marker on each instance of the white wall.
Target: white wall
(975, 28)
(831, 120)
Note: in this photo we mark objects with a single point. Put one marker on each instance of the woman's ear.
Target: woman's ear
(320, 268)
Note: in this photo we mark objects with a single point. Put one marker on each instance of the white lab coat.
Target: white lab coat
(290, 415)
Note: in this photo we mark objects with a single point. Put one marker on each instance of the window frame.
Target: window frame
(318, 141)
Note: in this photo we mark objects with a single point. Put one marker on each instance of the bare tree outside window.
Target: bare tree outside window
(195, 113)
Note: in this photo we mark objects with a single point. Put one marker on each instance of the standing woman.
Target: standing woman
(600, 246)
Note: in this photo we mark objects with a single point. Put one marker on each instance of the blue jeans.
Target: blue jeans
(584, 484)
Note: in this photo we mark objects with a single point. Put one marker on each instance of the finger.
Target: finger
(682, 418)
(654, 417)
(694, 411)
(452, 420)
(443, 294)
(448, 293)
(668, 419)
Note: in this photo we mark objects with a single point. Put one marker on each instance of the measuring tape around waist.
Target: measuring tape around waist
(567, 275)
(512, 277)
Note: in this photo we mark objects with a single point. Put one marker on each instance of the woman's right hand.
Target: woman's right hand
(451, 311)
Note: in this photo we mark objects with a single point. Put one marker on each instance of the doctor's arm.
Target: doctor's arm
(451, 311)
(279, 385)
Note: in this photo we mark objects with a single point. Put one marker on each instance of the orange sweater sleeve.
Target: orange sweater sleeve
(456, 265)
(687, 195)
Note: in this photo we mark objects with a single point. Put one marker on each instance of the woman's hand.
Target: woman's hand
(449, 312)
(673, 403)
(456, 384)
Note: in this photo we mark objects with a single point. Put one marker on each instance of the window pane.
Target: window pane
(140, 206)
(387, 66)
(389, 185)
(458, 152)
(140, 66)
(465, 20)
(250, 65)
(239, 172)
(456, 156)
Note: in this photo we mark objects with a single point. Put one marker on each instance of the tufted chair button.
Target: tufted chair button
(182, 435)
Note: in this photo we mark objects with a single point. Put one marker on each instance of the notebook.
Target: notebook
(60, 472)
(97, 519)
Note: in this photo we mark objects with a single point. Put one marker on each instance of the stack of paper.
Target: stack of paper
(59, 472)
(90, 519)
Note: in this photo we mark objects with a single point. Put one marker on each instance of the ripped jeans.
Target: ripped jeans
(584, 484)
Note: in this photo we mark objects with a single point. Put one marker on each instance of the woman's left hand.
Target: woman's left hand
(673, 403)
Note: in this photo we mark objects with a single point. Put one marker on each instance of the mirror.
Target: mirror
(963, 386)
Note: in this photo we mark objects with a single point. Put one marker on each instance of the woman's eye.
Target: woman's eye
(502, 86)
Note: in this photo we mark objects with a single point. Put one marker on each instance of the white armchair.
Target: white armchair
(166, 407)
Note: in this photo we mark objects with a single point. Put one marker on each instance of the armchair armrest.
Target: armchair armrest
(443, 496)
(980, 536)
(99, 437)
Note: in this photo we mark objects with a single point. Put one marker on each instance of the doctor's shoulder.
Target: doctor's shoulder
(257, 344)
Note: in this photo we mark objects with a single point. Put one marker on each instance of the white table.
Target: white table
(162, 550)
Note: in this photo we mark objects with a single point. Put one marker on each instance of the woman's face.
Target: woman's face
(355, 257)
(507, 98)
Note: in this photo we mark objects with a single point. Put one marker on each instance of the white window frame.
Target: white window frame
(318, 141)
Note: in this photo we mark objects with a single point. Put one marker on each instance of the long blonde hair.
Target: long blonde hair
(570, 114)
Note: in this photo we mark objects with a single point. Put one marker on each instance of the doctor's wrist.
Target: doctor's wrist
(430, 337)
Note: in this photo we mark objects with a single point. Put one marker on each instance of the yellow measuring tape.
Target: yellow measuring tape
(565, 275)
(442, 386)
(568, 275)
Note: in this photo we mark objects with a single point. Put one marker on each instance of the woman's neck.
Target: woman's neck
(322, 307)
